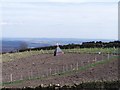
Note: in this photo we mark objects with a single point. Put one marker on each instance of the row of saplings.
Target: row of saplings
(114, 85)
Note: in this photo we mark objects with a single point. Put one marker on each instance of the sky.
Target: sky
(88, 19)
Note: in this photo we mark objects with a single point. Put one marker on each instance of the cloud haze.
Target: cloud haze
(60, 20)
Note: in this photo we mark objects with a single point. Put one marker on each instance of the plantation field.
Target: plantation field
(14, 56)
(33, 68)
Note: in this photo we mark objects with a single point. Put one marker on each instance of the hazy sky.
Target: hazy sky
(96, 19)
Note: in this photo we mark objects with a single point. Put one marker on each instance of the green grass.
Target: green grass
(92, 50)
(15, 56)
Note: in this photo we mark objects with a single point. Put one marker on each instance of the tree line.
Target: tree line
(92, 44)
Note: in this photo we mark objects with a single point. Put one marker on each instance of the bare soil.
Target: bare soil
(46, 64)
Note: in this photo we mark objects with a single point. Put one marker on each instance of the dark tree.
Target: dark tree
(23, 46)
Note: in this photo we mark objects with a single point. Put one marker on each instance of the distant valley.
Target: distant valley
(14, 44)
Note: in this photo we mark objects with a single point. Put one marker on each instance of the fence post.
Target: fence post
(71, 66)
(21, 77)
(50, 71)
(55, 71)
(58, 70)
(31, 74)
(66, 68)
(46, 73)
(108, 56)
(95, 59)
(11, 77)
(77, 65)
(28, 75)
(63, 69)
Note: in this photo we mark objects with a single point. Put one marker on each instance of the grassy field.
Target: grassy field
(91, 64)
(18, 55)
(92, 50)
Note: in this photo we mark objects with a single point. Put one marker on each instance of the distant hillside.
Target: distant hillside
(93, 44)
(21, 44)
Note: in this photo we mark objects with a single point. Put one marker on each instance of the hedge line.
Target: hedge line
(104, 85)
(93, 44)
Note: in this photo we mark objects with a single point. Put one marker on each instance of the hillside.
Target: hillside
(33, 69)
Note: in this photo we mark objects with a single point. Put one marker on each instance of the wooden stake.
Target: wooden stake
(11, 77)
(31, 73)
(55, 71)
(50, 71)
(58, 70)
(28, 75)
(77, 65)
(95, 59)
(71, 66)
(21, 77)
(66, 68)
(63, 69)
(108, 56)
